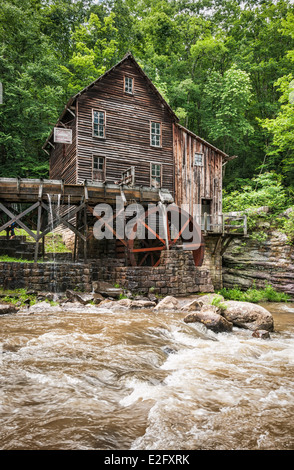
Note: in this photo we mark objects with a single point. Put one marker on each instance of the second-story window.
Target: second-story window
(156, 175)
(99, 124)
(155, 134)
(129, 85)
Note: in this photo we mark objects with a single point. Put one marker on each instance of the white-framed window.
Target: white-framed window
(198, 159)
(155, 134)
(156, 175)
(99, 123)
(129, 85)
(99, 167)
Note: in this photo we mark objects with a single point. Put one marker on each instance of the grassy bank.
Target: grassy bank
(268, 294)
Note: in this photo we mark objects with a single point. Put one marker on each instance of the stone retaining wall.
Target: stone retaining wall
(177, 275)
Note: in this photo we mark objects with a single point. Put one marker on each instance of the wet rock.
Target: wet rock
(107, 290)
(7, 308)
(197, 303)
(168, 303)
(263, 334)
(142, 304)
(79, 297)
(44, 307)
(194, 305)
(209, 316)
(153, 298)
(97, 298)
(124, 303)
(167, 350)
(248, 315)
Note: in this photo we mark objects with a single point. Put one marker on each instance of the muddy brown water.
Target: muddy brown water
(110, 380)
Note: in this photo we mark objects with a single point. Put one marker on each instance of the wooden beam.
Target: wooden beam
(19, 216)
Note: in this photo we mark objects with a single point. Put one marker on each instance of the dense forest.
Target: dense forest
(224, 66)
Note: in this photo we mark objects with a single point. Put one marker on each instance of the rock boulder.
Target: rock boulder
(7, 308)
(248, 315)
(168, 303)
(209, 316)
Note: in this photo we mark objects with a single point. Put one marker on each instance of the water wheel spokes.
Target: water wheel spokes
(173, 228)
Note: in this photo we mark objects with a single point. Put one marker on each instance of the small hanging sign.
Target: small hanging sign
(62, 136)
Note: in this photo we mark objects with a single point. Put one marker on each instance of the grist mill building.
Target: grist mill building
(124, 140)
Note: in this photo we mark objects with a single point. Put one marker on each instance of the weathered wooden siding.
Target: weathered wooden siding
(193, 183)
(63, 162)
(128, 119)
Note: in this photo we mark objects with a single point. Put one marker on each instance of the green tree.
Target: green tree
(32, 90)
(94, 47)
(225, 104)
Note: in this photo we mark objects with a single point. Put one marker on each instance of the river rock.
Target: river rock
(81, 297)
(248, 315)
(142, 304)
(199, 302)
(44, 307)
(263, 334)
(209, 316)
(7, 308)
(107, 290)
(168, 303)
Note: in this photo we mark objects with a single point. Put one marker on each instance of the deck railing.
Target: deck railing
(228, 224)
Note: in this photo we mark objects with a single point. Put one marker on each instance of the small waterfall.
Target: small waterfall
(51, 223)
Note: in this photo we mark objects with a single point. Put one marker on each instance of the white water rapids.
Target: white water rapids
(139, 380)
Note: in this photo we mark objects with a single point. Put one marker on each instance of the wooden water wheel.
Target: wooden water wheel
(163, 229)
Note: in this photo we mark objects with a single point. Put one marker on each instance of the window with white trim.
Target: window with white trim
(156, 175)
(98, 168)
(198, 159)
(129, 85)
(155, 134)
(99, 124)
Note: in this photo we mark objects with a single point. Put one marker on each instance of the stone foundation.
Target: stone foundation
(177, 275)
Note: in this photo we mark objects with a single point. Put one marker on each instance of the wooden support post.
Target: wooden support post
(205, 222)
(226, 244)
(38, 222)
(85, 233)
(38, 232)
(76, 239)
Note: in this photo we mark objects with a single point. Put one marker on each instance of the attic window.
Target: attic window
(198, 159)
(129, 85)
(155, 134)
(99, 122)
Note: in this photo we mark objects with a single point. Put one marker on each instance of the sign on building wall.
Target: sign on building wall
(62, 136)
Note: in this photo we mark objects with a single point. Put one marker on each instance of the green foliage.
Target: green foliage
(18, 297)
(218, 302)
(225, 104)
(264, 190)
(224, 67)
(268, 294)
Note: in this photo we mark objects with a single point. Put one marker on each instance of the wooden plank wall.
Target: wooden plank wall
(63, 162)
(128, 119)
(195, 183)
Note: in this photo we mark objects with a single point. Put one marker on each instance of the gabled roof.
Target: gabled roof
(128, 56)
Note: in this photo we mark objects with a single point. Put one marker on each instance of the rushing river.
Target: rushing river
(140, 380)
